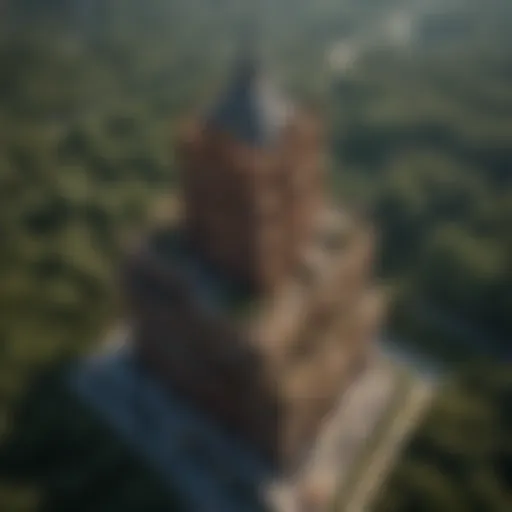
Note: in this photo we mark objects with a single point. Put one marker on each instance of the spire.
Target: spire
(252, 108)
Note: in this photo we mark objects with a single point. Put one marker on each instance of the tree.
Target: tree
(460, 457)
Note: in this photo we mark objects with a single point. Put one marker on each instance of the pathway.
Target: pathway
(391, 445)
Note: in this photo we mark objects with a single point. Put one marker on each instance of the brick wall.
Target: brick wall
(234, 378)
(250, 210)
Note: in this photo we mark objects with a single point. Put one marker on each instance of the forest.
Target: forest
(418, 103)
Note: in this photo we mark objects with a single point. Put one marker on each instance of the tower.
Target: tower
(252, 178)
(256, 303)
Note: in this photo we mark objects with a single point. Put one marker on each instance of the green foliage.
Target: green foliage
(68, 461)
(431, 147)
(460, 458)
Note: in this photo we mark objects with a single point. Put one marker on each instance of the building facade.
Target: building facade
(252, 180)
(256, 302)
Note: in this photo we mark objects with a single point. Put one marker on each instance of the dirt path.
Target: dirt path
(363, 495)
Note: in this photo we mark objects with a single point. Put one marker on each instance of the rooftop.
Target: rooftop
(252, 109)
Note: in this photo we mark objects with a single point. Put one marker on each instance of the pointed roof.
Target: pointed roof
(252, 109)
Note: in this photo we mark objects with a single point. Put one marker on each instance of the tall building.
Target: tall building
(252, 179)
(256, 300)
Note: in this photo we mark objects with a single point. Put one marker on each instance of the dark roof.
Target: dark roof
(252, 108)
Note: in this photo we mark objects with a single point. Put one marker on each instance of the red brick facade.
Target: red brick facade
(250, 210)
(273, 376)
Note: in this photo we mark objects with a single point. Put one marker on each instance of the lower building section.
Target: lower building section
(279, 413)
(213, 471)
(268, 369)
